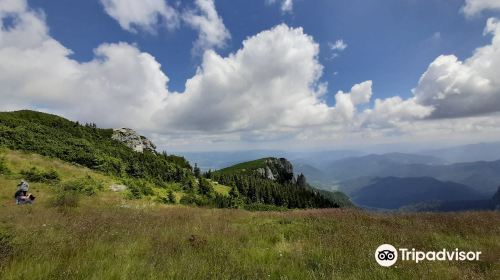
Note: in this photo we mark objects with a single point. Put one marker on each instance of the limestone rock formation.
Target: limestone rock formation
(277, 169)
(133, 140)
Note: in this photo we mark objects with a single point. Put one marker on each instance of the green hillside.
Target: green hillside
(86, 145)
(272, 181)
(245, 167)
(149, 174)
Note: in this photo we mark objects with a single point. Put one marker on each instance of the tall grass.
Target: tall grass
(106, 236)
(120, 241)
(4, 170)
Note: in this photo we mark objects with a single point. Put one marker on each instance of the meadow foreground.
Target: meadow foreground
(113, 238)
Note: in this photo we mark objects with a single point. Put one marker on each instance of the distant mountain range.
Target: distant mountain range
(457, 205)
(319, 159)
(484, 177)
(467, 153)
(378, 165)
(222, 159)
(394, 192)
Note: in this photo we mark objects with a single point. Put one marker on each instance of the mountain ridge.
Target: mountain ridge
(396, 192)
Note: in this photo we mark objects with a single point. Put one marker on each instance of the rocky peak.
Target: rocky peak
(133, 140)
(277, 169)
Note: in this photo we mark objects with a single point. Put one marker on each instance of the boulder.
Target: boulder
(133, 140)
(117, 188)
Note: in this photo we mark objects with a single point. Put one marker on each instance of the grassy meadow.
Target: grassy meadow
(108, 236)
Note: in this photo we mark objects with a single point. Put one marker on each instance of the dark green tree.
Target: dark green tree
(196, 171)
(301, 180)
(205, 188)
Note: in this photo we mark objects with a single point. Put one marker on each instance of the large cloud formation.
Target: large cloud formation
(269, 89)
(270, 83)
(150, 15)
(464, 88)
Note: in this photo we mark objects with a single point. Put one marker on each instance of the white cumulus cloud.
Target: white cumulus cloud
(271, 82)
(346, 103)
(471, 87)
(476, 7)
(149, 15)
(211, 29)
(145, 14)
(286, 6)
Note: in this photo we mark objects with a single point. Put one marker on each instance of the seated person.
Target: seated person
(22, 198)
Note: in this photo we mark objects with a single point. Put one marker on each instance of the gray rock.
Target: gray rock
(261, 172)
(280, 170)
(117, 188)
(269, 174)
(281, 164)
(133, 140)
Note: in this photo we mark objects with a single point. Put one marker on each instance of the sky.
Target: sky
(262, 74)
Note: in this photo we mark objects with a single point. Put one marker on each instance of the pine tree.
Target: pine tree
(196, 171)
(301, 180)
(205, 188)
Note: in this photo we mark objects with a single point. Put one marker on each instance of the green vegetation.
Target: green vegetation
(65, 200)
(255, 189)
(86, 145)
(36, 175)
(245, 168)
(339, 197)
(281, 191)
(85, 185)
(138, 189)
(4, 170)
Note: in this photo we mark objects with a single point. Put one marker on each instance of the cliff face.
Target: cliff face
(277, 169)
(133, 140)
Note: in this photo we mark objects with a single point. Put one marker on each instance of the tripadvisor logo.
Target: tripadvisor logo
(387, 255)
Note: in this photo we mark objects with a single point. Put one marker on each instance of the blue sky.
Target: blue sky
(235, 74)
(391, 44)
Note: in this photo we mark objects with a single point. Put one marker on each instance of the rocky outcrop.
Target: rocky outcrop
(266, 172)
(277, 169)
(133, 140)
